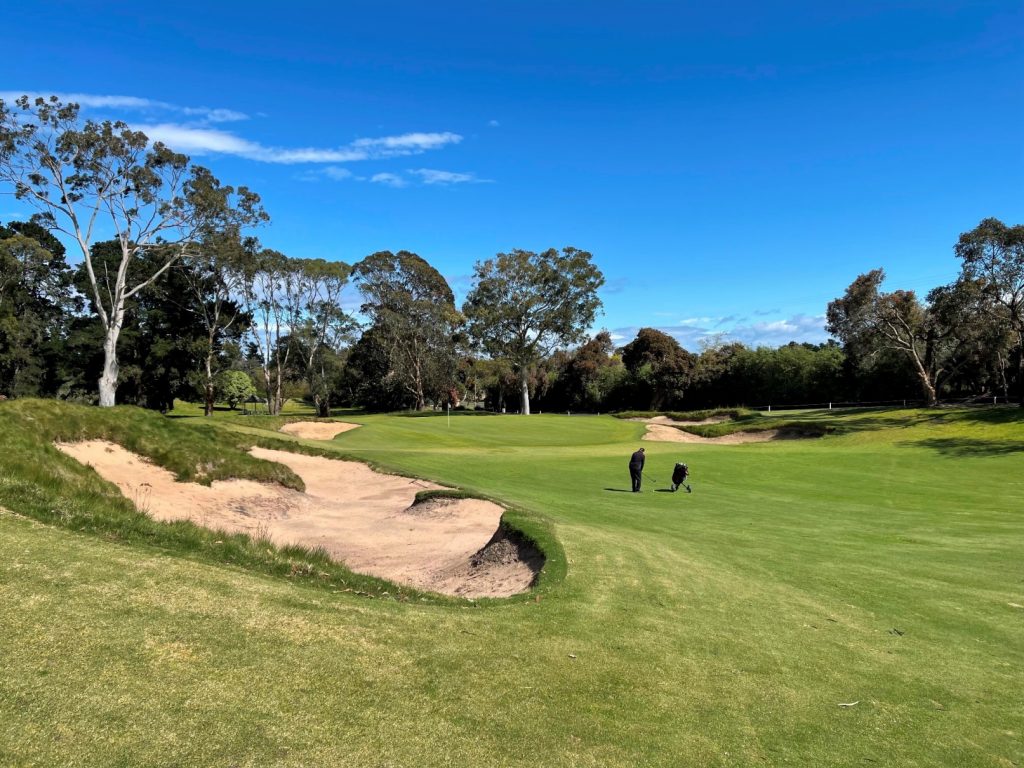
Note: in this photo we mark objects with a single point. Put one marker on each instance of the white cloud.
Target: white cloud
(493, 123)
(216, 115)
(337, 173)
(406, 144)
(133, 103)
(389, 179)
(431, 176)
(201, 140)
(198, 137)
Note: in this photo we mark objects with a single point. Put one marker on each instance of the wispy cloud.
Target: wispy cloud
(197, 134)
(493, 123)
(406, 144)
(422, 176)
(132, 104)
(337, 173)
(389, 179)
(431, 176)
(201, 141)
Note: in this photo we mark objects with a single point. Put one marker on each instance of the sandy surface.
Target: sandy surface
(659, 429)
(318, 430)
(359, 516)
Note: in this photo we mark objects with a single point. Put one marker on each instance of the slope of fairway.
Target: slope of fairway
(878, 568)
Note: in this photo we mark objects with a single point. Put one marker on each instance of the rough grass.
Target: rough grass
(879, 565)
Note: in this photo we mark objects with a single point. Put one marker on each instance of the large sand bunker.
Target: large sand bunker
(660, 429)
(361, 517)
(317, 430)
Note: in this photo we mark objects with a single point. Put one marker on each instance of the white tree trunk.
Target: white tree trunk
(525, 382)
(108, 380)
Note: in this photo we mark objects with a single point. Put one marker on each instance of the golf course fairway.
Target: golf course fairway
(850, 600)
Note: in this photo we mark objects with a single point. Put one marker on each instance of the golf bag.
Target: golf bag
(679, 474)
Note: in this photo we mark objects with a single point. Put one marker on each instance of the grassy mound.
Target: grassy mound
(40, 482)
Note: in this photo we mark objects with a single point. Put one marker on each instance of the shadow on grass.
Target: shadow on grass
(965, 447)
(619, 490)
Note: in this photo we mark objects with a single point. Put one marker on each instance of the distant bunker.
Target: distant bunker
(364, 518)
(317, 430)
(667, 430)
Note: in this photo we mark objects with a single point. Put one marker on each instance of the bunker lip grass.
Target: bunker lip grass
(364, 518)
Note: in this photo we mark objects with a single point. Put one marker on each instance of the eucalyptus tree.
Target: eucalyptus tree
(993, 255)
(270, 289)
(215, 276)
(524, 304)
(412, 310)
(936, 338)
(323, 327)
(89, 179)
(295, 306)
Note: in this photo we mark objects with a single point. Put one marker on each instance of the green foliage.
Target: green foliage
(156, 205)
(234, 387)
(524, 304)
(412, 313)
(35, 302)
(992, 257)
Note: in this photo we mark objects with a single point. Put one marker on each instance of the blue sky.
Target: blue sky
(732, 166)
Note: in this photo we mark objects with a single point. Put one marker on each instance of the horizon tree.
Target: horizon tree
(933, 337)
(524, 304)
(270, 292)
(412, 309)
(214, 276)
(102, 178)
(36, 302)
(323, 328)
(658, 361)
(993, 254)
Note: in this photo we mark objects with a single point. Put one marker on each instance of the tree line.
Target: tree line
(173, 296)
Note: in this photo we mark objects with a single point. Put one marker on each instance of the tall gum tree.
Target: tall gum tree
(993, 254)
(102, 178)
(324, 327)
(524, 304)
(935, 338)
(412, 309)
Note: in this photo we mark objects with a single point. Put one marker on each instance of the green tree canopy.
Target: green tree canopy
(524, 304)
(412, 310)
(993, 255)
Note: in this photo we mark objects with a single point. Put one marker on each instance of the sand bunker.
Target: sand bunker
(359, 516)
(318, 430)
(659, 428)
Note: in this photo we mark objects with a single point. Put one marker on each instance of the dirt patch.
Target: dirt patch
(317, 430)
(359, 516)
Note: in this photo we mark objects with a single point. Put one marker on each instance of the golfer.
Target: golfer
(636, 469)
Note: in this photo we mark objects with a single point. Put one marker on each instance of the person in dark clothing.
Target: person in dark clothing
(679, 475)
(636, 469)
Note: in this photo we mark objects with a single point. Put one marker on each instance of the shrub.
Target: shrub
(233, 387)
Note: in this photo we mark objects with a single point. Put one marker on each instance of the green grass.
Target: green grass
(881, 564)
